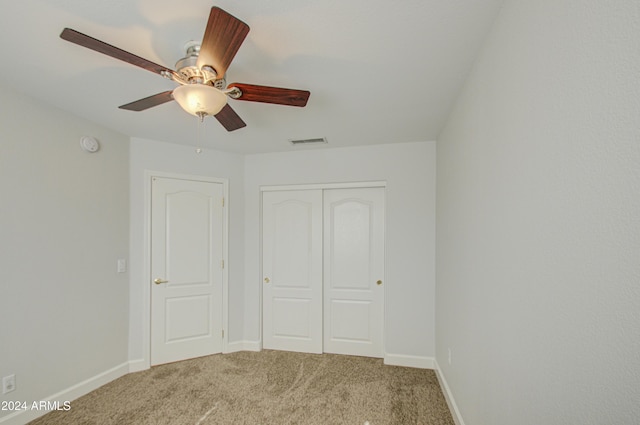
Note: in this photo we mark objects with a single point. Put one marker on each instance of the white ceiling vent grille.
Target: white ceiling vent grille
(308, 141)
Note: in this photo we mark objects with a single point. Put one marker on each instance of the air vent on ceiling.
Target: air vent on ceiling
(308, 141)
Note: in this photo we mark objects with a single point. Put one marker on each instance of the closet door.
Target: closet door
(354, 271)
(292, 270)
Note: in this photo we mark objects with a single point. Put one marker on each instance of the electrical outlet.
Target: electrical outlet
(449, 358)
(8, 384)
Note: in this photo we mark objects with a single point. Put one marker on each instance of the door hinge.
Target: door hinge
(222, 263)
(223, 334)
(223, 202)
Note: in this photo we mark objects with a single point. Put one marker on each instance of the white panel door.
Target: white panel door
(186, 269)
(292, 270)
(354, 271)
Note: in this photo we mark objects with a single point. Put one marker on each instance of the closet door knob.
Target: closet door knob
(158, 281)
(267, 280)
(379, 283)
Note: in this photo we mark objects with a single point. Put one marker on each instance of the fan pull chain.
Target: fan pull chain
(201, 116)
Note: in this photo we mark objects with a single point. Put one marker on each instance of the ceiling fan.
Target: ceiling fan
(201, 73)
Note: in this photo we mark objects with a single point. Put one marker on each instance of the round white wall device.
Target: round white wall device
(89, 144)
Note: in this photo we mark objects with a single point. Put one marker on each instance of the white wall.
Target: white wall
(409, 170)
(172, 158)
(63, 225)
(538, 257)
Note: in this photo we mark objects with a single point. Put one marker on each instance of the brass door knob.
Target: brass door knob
(379, 283)
(158, 281)
(267, 280)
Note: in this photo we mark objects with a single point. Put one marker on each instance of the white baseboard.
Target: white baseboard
(453, 407)
(409, 361)
(138, 365)
(236, 346)
(70, 394)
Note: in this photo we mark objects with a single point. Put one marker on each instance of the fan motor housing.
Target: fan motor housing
(188, 68)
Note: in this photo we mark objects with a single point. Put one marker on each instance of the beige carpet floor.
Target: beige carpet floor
(268, 387)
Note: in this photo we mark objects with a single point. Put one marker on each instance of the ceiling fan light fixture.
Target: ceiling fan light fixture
(201, 73)
(200, 99)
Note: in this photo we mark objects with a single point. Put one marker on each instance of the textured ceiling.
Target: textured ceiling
(378, 71)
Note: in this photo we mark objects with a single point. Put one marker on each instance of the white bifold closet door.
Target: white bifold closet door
(292, 270)
(353, 271)
(323, 271)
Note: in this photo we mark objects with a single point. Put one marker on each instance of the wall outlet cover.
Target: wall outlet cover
(8, 384)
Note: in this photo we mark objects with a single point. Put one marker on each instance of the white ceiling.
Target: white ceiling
(378, 71)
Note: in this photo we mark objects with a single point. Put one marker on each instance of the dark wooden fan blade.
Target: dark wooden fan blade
(148, 102)
(222, 39)
(109, 50)
(229, 118)
(277, 95)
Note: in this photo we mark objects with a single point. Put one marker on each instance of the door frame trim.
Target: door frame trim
(146, 275)
(322, 186)
(354, 185)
